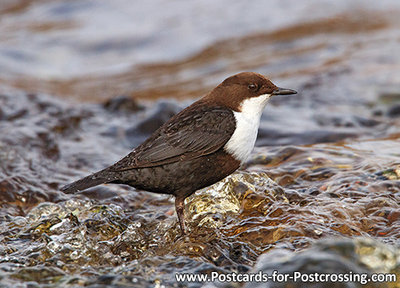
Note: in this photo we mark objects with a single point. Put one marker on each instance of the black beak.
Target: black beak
(283, 91)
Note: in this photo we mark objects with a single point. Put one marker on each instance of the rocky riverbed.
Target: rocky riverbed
(323, 182)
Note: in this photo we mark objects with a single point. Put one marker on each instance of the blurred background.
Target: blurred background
(82, 82)
(94, 50)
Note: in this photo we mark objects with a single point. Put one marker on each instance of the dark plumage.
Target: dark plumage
(186, 153)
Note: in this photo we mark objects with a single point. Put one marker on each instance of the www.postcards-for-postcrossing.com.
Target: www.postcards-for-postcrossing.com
(297, 277)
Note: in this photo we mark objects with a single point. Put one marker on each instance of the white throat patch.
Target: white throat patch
(247, 122)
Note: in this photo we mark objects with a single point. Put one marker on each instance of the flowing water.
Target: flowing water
(84, 82)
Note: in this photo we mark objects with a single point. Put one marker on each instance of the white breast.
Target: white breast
(247, 122)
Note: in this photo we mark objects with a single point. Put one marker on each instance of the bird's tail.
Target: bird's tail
(94, 179)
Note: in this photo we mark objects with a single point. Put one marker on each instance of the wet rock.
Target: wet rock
(352, 257)
(394, 111)
(378, 112)
(49, 146)
(7, 191)
(367, 122)
(209, 207)
(334, 120)
(155, 118)
(122, 103)
(40, 274)
(389, 174)
(389, 98)
(16, 115)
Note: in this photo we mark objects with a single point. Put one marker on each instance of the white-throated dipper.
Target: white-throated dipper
(197, 147)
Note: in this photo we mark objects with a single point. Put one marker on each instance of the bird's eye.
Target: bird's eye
(252, 87)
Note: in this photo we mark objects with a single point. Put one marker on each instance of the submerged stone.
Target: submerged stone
(340, 263)
(212, 205)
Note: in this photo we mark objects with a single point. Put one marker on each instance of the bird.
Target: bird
(199, 146)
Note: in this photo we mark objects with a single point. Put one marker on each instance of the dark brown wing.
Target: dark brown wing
(196, 131)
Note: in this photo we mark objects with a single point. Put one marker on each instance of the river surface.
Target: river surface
(84, 82)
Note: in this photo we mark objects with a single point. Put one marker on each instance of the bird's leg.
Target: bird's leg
(179, 207)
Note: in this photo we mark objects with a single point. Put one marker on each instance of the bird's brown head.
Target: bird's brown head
(233, 91)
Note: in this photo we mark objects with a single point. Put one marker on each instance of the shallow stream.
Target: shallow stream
(327, 161)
